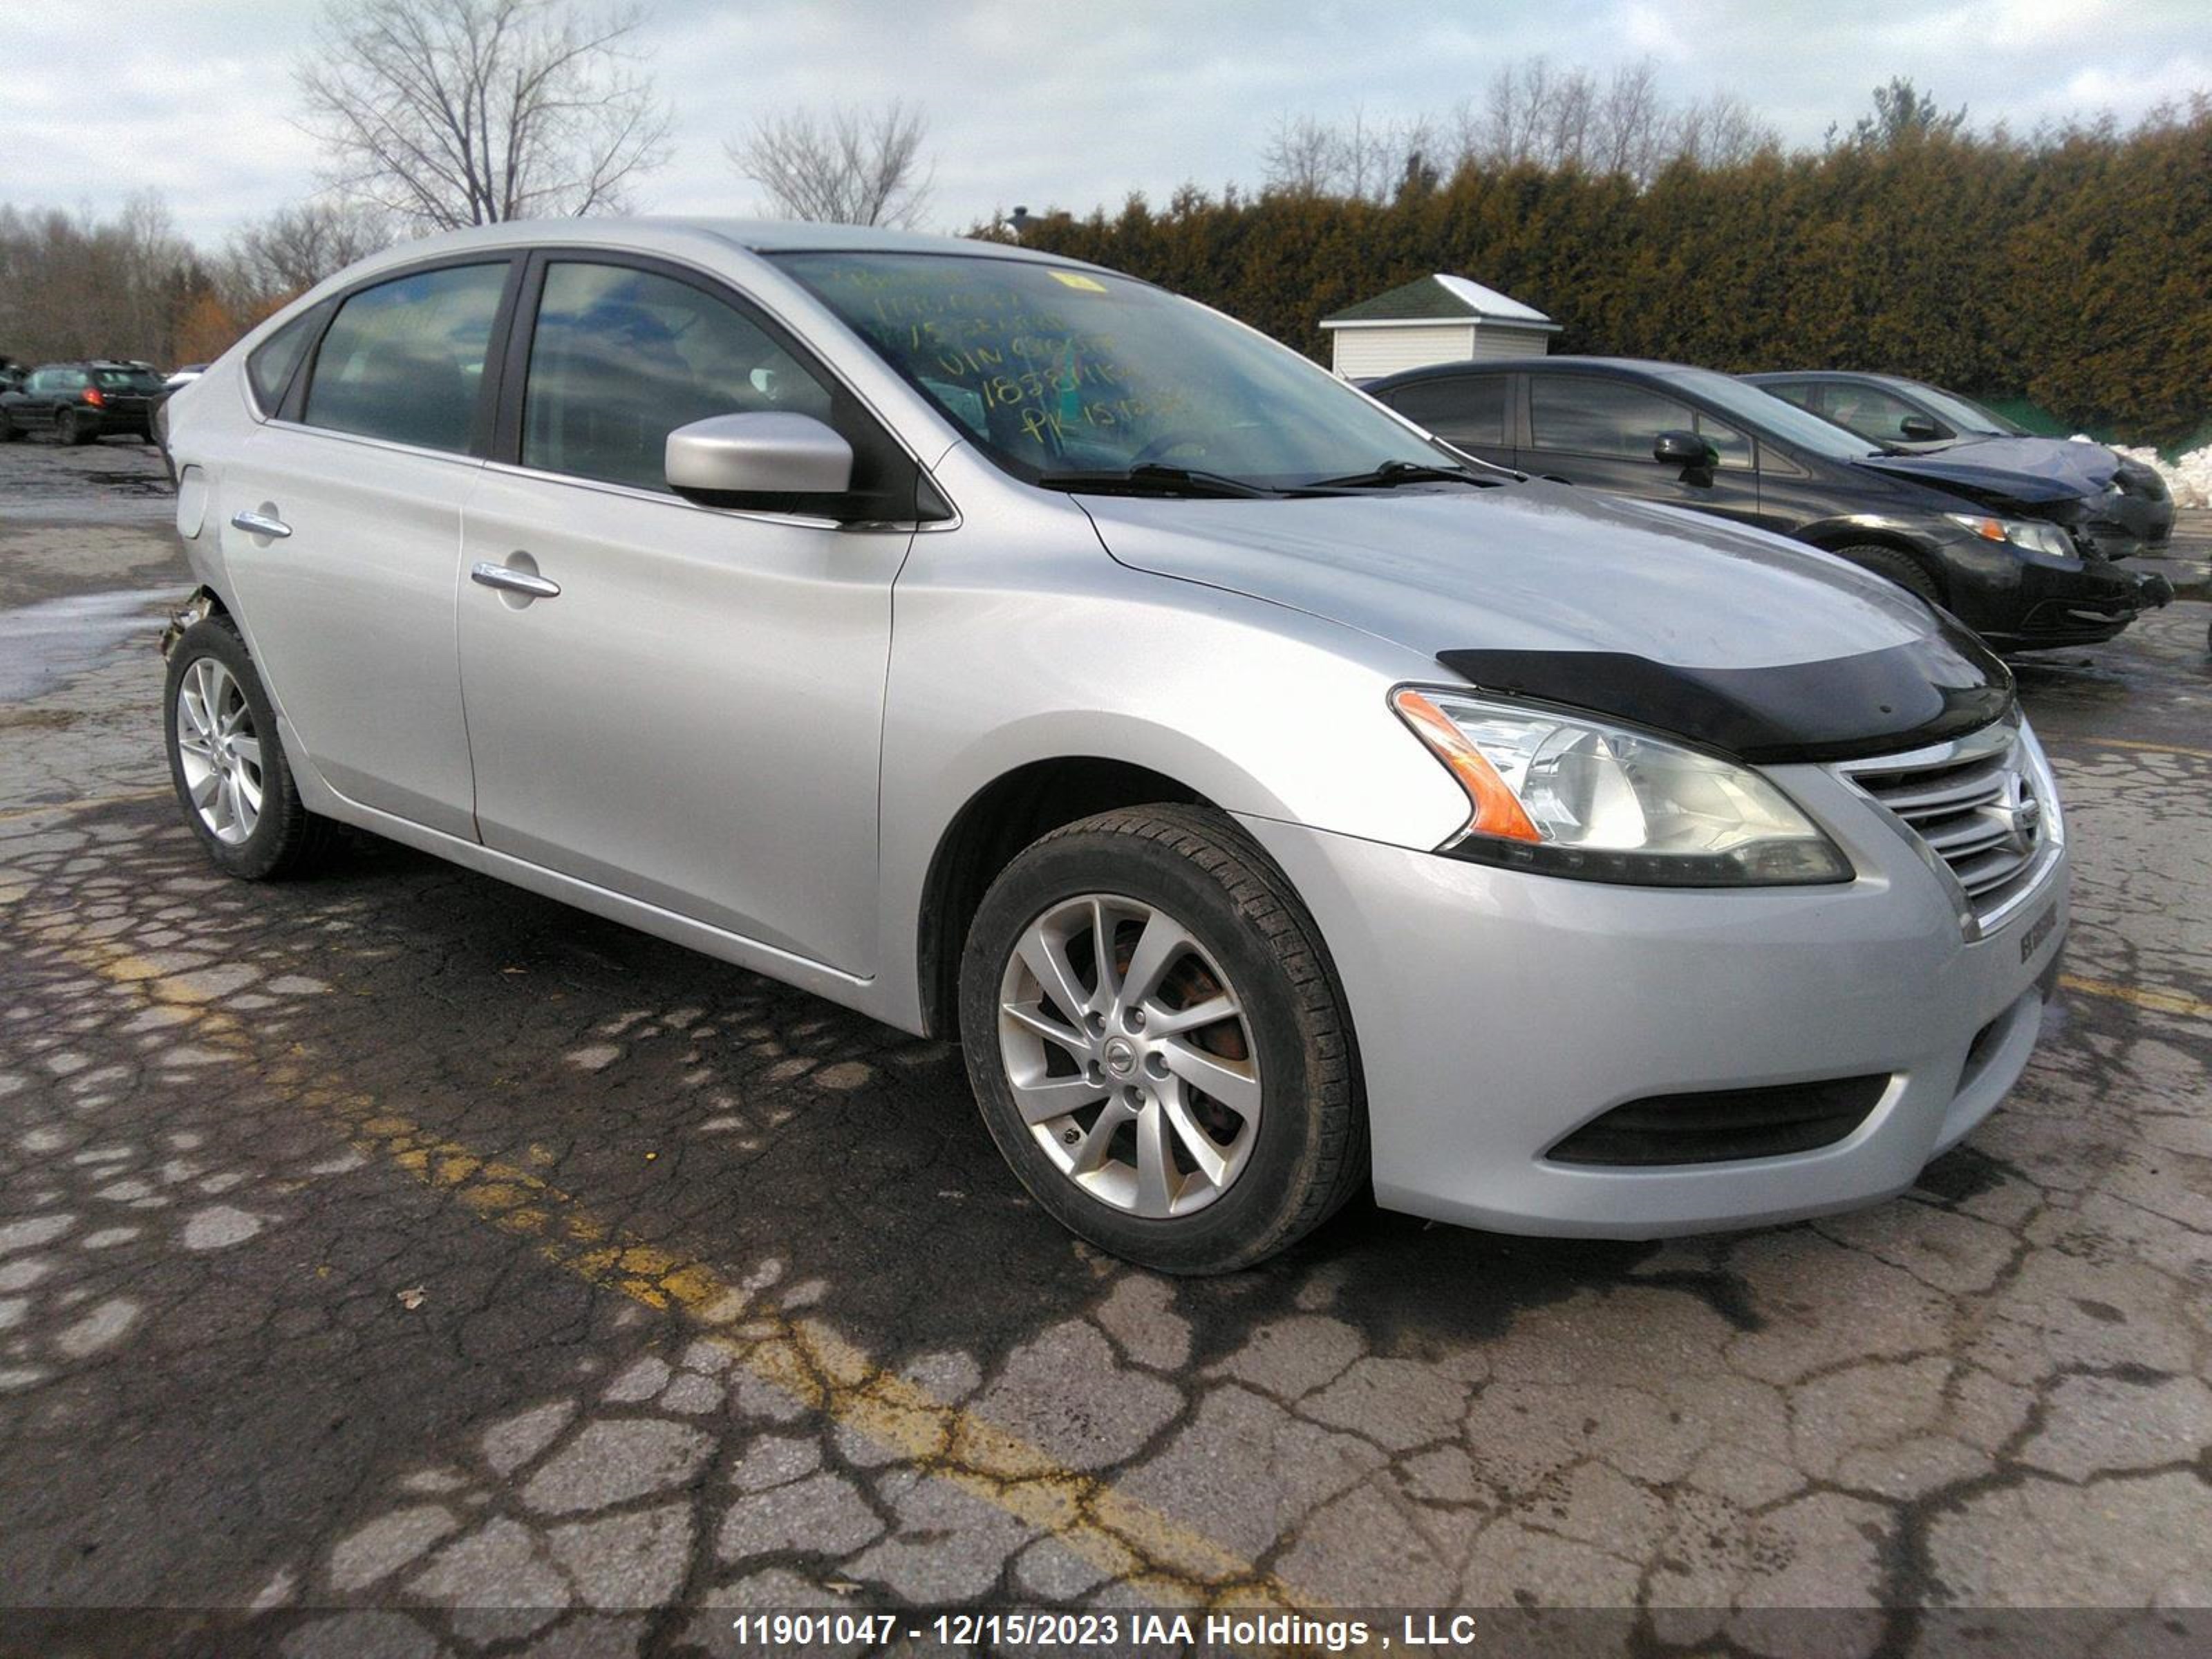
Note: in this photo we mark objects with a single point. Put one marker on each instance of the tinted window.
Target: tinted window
(128, 379)
(1735, 448)
(1867, 410)
(1805, 394)
(1467, 409)
(1770, 416)
(621, 358)
(1600, 417)
(269, 367)
(404, 360)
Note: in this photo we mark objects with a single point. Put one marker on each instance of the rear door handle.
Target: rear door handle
(515, 581)
(261, 524)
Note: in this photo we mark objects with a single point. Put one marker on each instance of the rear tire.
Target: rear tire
(1122, 1142)
(69, 428)
(1893, 564)
(226, 764)
(8, 430)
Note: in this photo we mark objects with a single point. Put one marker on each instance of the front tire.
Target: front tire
(70, 428)
(228, 768)
(1893, 564)
(1159, 1043)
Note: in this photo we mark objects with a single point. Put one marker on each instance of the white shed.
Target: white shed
(1433, 319)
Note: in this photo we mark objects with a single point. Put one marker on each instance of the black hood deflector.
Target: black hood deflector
(1940, 686)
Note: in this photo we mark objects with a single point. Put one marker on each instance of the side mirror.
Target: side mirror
(1687, 450)
(769, 461)
(1918, 429)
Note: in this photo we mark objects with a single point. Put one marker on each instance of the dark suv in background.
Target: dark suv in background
(80, 402)
(2007, 553)
(2135, 509)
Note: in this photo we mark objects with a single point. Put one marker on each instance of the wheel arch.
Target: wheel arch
(995, 823)
(1832, 536)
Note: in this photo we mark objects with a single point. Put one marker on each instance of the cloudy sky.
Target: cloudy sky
(1069, 104)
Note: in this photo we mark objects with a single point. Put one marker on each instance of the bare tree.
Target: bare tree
(1301, 157)
(1361, 158)
(295, 247)
(446, 112)
(1721, 132)
(848, 167)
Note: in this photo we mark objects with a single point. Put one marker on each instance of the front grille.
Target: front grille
(1725, 1126)
(1974, 803)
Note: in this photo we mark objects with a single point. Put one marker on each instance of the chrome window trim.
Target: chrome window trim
(669, 498)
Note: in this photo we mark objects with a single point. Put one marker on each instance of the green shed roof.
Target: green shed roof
(1442, 298)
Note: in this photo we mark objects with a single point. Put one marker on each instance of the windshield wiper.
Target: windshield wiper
(1391, 474)
(1153, 479)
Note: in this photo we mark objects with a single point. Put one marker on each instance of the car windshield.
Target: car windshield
(1985, 418)
(1955, 411)
(1056, 371)
(1773, 417)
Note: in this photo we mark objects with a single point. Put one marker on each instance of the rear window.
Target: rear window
(1461, 409)
(1590, 416)
(404, 360)
(269, 367)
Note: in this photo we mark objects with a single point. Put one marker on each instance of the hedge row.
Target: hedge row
(2076, 271)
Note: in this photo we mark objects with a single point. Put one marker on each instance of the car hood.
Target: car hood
(1646, 612)
(2028, 471)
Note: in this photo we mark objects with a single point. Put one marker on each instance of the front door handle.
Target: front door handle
(515, 581)
(261, 524)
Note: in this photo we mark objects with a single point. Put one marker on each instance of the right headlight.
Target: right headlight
(1568, 794)
(2033, 534)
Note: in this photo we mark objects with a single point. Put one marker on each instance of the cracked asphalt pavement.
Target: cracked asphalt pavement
(396, 1263)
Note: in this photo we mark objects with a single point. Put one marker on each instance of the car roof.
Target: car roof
(646, 231)
(1626, 368)
(1833, 377)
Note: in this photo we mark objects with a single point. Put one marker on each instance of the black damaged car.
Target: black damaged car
(2010, 554)
(2135, 509)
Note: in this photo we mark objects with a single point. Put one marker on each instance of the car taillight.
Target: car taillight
(92, 395)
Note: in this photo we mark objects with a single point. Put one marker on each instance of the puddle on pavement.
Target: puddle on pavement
(49, 644)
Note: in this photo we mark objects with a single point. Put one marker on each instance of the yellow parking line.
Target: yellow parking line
(91, 803)
(2163, 1002)
(1164, 1561)
(2050, 742)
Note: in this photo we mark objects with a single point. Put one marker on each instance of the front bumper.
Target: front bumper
(2055, 606)
(1496, 1011)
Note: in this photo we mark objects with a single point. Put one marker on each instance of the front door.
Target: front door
(694, 719)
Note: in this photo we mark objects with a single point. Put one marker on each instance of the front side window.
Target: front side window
(1586, 416)
(1735, 449)
(404, 360)
(1869, 411)
(1462, 408)
(127, 380)
(1076, 373)
(622, 357)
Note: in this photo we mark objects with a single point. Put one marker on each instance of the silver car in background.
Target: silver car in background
(1271, 804)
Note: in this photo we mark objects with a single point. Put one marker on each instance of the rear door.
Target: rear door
(1599, 432)
(694, 720)
(341, 527)
(1467, 412)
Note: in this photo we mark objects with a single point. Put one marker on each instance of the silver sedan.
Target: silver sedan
(1275, 806)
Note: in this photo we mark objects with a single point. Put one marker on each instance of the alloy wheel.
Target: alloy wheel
(1129, 1056)
(220, 751)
